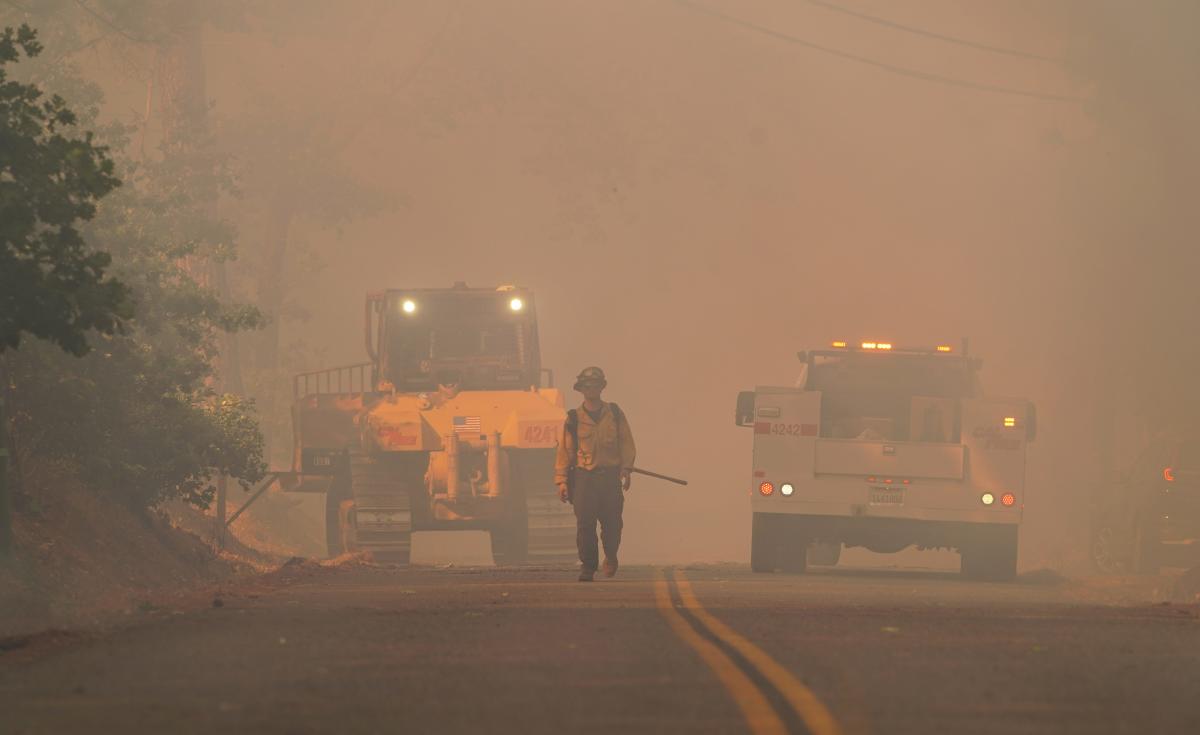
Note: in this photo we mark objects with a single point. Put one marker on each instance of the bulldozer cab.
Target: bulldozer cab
(475, 339)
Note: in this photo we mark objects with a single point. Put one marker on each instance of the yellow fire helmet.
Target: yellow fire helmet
(591, 375)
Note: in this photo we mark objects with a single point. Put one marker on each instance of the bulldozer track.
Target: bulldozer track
(383, 510)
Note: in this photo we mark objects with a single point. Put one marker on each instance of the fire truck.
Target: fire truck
(886, 447)
(452, 424)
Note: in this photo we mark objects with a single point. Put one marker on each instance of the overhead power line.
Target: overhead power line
(929, 34)
(111, 24)
(899, 70)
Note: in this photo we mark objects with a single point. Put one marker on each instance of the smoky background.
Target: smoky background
(693, 197)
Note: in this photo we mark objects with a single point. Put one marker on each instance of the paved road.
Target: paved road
(704, 649)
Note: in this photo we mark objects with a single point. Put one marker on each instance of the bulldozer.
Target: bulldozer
(451, 424)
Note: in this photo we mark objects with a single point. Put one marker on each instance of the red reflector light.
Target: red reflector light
(1169, 474)
(1008, 500)
(906, 481)
(887, 481)
(766, 488)
(871, 478)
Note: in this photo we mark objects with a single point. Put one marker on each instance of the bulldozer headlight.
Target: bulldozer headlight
(516, 304)
(409, 306)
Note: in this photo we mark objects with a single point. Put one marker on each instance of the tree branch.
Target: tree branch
(111, 24)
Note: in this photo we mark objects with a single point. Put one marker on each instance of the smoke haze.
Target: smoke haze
(693, 199)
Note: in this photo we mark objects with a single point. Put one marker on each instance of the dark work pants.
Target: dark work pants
(598, 497)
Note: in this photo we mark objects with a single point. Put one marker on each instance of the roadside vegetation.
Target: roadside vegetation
(111, 359)
(147, 263)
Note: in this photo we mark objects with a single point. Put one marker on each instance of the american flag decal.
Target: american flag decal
(468, 425)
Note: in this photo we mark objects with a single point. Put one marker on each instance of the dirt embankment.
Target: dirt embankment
(82, 561)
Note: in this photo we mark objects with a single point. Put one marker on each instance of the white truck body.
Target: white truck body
(852, 457)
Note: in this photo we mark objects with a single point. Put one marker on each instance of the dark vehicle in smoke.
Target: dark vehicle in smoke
(1150, 517)
(886, 448)
(448, 427)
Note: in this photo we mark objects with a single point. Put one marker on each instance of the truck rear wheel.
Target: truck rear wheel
(1110, 550)
(824, 553)
(793, 551)
(763, 544)
(1147, 551)
(991, 554)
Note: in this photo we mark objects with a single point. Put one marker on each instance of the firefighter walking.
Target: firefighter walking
(592, 471)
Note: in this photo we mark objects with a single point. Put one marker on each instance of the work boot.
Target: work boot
(587, 575)
(610, 566)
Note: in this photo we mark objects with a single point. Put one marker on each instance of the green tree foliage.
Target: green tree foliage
(137, 416)
(52, 285)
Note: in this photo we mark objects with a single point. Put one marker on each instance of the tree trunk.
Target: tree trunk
(229, 363)
(183, 83)
(6, 534)
(271, 292)
(222, 496)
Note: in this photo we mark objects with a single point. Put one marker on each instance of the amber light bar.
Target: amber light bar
(876, 346)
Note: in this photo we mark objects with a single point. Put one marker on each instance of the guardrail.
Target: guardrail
(346, 379)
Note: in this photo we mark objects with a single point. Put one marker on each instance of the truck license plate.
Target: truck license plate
(885, 496)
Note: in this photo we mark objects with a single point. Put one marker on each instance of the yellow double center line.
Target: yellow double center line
(756, 708)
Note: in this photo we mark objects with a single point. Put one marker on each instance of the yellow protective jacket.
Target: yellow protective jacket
(597, 446)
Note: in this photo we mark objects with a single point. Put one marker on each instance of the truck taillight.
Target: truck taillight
(987, 498)
(766, 488)
(1169, 474)
(786, 489)
(1008, 500)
